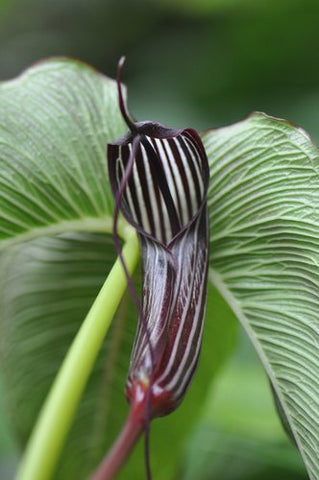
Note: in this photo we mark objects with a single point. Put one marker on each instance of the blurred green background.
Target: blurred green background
(203, 63)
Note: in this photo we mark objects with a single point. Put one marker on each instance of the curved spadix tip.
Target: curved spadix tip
(120, 66)
(125, 114)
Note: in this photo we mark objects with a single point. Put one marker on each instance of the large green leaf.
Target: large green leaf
(241, 439)
(55, 122)
(264, 207)
(46, 289)
(47, 286)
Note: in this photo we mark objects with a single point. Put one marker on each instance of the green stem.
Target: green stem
(56, 416)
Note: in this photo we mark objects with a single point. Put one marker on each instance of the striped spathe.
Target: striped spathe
(163, 180)
(159, 177)
(166, 183)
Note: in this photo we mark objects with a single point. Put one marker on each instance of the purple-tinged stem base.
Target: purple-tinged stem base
(122, 447)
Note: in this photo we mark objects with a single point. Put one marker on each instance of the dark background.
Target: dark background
(203, 63)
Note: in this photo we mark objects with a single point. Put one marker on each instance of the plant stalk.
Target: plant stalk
(121, 449)
(54, 421)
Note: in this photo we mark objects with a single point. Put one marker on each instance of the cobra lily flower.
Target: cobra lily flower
(159, 177)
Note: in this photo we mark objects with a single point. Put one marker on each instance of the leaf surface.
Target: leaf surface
(264, 208)
(46, 289)
(55, 122)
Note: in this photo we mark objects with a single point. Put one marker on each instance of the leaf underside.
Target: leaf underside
(54, 127)
(264, 207)
(55, 122)
(46, 289)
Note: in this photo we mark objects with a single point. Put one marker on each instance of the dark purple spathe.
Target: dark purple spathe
(159, 177)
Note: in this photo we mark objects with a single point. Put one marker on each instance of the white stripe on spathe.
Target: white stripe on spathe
(183, 374)
(152, 310)
(197, 164)
(173, 162)
(169, 174)
(137, 167)
(128, 200)
(170, 167)
(183, 287)
(152, 196)
(183, 182)
(184, 297)
(190, 179)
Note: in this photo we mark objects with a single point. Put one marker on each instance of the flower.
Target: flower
(159, 177)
